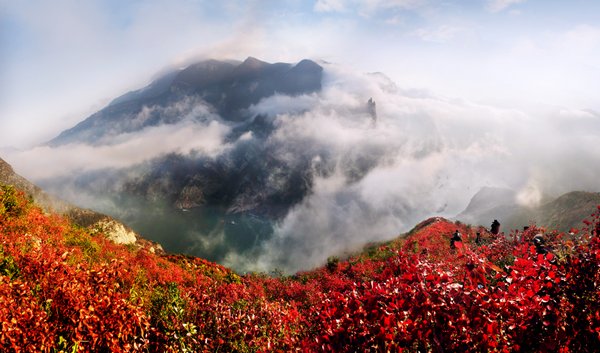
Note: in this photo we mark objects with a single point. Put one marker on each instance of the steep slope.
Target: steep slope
(115, 230)
(47, 202)
(568, 210)
(563, 213)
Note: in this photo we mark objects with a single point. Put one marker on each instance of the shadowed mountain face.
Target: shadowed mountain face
(227, 90)
(232, 198)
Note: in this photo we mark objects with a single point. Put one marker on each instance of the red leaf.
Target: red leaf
(386, 321)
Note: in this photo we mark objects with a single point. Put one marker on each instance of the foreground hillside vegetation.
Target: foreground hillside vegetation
(66, 289)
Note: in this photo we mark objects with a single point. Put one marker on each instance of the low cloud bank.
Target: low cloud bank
(425, 156)
(186, 127)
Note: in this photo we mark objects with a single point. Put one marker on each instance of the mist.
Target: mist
(372, 179)
(185, 127)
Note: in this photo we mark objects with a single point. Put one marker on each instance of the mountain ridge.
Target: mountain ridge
(226, 87)
(562, 212)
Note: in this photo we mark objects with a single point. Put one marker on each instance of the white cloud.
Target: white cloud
(582, 40)
(395, 21)
(440, 34)
(499, 5)
(429, 155)
(330, 5)
(121, 151)
(366, 7)
(375, 5)
(530, 195)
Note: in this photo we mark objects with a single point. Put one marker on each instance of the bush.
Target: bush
(72, 292)
(12, 202)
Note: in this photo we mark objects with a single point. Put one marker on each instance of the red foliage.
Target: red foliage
(63, 289)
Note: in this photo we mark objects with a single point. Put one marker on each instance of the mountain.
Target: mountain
(488, 204)
(227, 88)
(114, 229)
(228, 160)
(47, 202)
(563, 213)
(187, 200)
(568, 210)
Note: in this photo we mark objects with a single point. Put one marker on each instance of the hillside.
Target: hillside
(565, 212)
(114, 229)
(64, 288)
(47, 202)
(562, 213)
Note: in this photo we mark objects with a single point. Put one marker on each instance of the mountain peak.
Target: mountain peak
(253, 63)
(308, 64)
(228, 88)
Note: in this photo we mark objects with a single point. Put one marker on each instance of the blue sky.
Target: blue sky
(61, 60)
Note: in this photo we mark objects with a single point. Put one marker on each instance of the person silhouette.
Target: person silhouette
(540, 244)
(495, 229)
(456, 237)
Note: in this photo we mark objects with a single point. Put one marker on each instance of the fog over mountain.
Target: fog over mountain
(262, 166)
